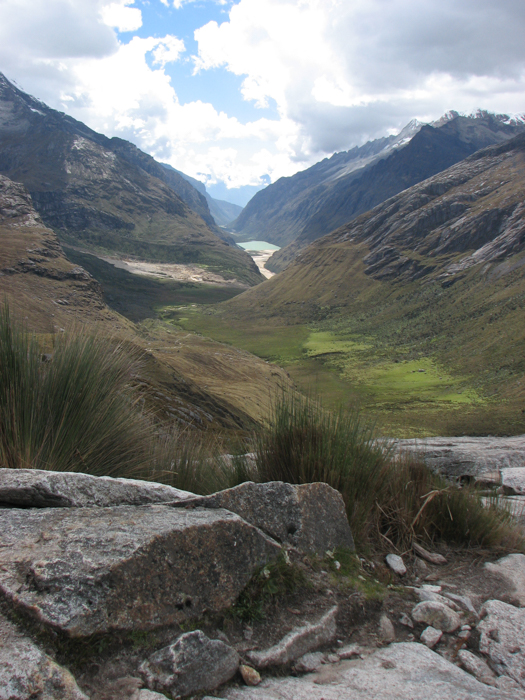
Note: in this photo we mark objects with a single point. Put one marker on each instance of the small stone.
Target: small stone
(406, 621)
(431, 636)
(464, 634)
(147, 695)
(387, 633)
(463, 601)
(421, 566)
(396, 563)
(332, 659)
(437, 615)
(430, 587)
(309, 662)
(349, 652)
(249, 675)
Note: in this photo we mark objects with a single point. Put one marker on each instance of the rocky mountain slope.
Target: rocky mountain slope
(434, 272)
(295, 211)
(184, 379)
(105, 194)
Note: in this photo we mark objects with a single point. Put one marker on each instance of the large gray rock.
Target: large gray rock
(298, 642)
(512, 569)
(467, 456)
(194, 664)
(398, 672)
(26, 673)
(87, 570)
(502, 639)
(36, 488)
(311, 517)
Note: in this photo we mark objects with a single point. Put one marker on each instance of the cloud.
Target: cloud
(335, 72)
(345, 71)
(122, 17)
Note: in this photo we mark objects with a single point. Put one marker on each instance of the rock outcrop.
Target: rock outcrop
(92, 570)
(35, 488)
(288, 513)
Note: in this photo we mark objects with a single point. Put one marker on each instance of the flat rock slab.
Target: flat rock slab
(311, 517)
(502, 639)
(88, 570)
(399, 672)
(467, 456)
(512, 569)
(26, 673)
(36, 488)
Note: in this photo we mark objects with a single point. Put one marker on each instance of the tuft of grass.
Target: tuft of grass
(390, 500)
(73, 412)
(305, 443)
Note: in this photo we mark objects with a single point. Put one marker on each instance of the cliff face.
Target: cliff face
(295, 211)
(105, 193)
(40, 283)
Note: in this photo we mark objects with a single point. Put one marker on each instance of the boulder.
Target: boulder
(26, 673)
(512, 569)
(36, 488)
(193, 664)
(92, 570)
(298, 642)
(437, 614)
(502, 639)
(311, 517)
(400, 671)
(470, 457)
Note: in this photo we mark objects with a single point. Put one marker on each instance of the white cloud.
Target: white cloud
(338, 71)
(122, 17)
(348, 70)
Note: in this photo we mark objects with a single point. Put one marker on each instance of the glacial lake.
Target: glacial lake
(258, 245)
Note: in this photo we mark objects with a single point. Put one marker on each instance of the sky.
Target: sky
(238, 93)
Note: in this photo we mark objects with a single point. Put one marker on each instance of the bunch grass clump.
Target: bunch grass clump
(391, 499)
(73, 412)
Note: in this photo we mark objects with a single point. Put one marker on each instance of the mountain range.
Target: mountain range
(295, 211)
(433, 281)
(107, 196)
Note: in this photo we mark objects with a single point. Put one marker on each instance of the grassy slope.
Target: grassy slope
(356, 339)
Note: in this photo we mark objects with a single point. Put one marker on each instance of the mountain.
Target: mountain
(433, 278)
(223, 212)
(183, 378)
(295, 211)
(105, 194)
